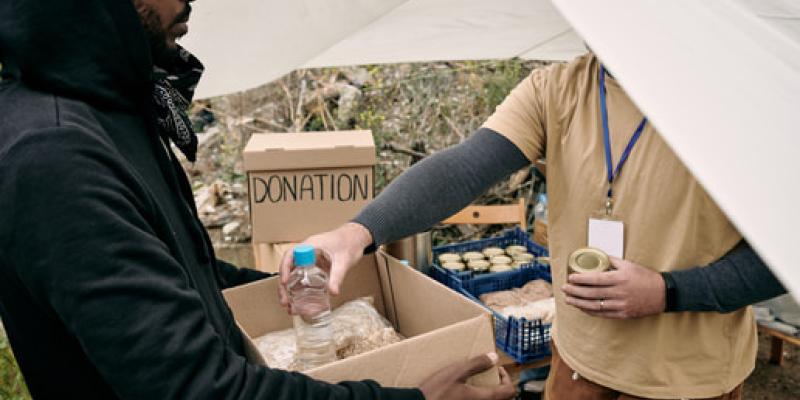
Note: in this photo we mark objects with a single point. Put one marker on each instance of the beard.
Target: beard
(161, 52)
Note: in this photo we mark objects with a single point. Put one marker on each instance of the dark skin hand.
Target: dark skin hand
(337, 252)
(628, 291)
(451, 382)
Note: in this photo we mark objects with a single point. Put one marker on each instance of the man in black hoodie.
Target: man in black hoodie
(109, 287)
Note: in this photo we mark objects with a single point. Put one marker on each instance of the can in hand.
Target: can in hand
(588, 259)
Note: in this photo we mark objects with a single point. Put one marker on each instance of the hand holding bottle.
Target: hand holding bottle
(337, 251)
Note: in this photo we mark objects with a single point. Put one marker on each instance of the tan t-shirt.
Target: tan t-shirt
(670, 224)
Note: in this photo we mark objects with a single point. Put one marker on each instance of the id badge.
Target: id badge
(607, 234)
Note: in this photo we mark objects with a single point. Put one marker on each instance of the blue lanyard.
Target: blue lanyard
(614, 172)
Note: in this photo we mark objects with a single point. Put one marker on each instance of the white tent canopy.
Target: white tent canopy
(721, 82)
(246, 43)
(719, 79)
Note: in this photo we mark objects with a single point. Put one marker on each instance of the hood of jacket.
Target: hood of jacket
(95, 51)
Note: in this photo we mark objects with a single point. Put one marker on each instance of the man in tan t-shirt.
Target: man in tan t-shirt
(554, 113)
(612, 338)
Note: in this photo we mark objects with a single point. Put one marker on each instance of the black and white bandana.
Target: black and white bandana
(174, 89)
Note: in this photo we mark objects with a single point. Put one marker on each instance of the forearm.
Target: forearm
(234, 276)
(736, 280)
(440, 185)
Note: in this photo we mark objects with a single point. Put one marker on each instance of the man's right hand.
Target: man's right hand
(451, 382)
(337, 251)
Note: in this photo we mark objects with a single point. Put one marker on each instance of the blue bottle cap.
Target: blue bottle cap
(542, 198)
(304, 255)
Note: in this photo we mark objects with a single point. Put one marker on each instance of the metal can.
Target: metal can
(543, 260)
(472, 255)
(480, 271)
(479, 266)
(415, 248)
(517, 264)
(449, 257)
(525, 258)
(454, 265)
(500, 268)
(588, 259)
(515, 249)
(500, 260)
(490, 252)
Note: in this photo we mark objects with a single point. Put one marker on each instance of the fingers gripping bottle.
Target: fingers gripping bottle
(308, 293)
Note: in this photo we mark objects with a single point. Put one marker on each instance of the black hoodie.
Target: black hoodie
(109, 287)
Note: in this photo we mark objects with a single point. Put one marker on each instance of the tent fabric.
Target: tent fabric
(424, 30)
(719, 79)
(722, 84)
(247, 43)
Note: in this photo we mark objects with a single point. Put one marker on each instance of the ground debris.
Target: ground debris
(413, 110)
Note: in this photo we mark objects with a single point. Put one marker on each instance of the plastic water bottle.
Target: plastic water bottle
(540, 209)
(540, 220)
(308, 292)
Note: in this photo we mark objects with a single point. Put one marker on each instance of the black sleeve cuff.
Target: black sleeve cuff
(369, 389)
(670, 292)
(370, 249)
(373, 218)
(361, 220)
(401, 394)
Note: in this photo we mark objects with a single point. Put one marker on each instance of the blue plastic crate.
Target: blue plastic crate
(524, 340)
(456, 280)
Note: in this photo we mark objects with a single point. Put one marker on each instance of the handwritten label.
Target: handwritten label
(277, 188)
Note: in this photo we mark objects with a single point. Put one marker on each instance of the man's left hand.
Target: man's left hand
(628, 291)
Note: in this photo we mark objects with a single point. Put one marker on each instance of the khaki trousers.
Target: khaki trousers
(560, 385)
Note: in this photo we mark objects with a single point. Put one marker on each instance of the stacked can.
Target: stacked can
(490, 259)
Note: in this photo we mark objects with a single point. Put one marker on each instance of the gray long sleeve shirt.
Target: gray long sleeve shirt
(413, 203)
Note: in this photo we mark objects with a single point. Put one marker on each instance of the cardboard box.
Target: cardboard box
(268, 256)
(441, 327)
(307, 182)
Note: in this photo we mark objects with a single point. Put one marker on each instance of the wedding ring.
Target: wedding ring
(602, 305)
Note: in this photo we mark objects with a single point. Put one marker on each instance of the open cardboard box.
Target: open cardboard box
(441, 327)
(268, 256)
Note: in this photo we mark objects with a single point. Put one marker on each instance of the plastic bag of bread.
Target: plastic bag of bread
(500, 300)
(535, 290)
(278, 348)
(544, 310)
(357, 328)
